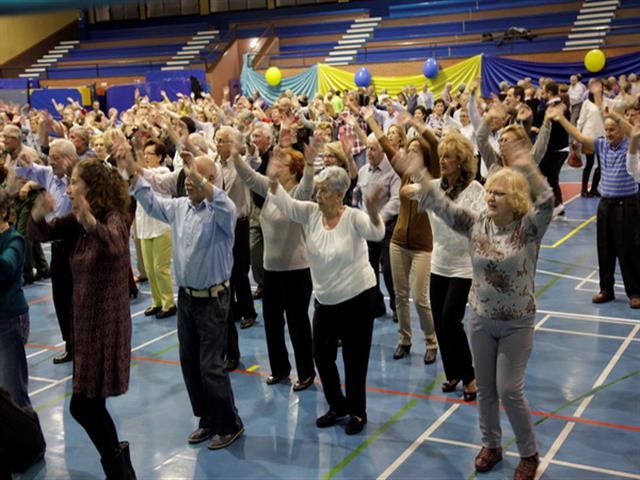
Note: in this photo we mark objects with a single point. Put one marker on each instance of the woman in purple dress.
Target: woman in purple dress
(96, 234)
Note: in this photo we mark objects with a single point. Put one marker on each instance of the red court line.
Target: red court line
(438, 398)
(39, 300)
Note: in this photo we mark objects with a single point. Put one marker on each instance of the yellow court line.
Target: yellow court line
(570, 234)
(253, 368)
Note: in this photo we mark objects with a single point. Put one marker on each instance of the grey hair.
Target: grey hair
(265, 128)
(82, 132)
(234, 133)
(67, 148)
(336, 177)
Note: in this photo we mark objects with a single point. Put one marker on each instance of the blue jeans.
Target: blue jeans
(14, 373)
(202, 332)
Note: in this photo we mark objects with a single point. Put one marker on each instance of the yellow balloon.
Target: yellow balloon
(594, 60)
(273, 76)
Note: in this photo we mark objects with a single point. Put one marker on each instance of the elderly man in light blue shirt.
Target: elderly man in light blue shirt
(202, 227)
(55, 179)
(378, 171)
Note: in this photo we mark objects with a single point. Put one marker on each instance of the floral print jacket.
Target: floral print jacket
(503, 259)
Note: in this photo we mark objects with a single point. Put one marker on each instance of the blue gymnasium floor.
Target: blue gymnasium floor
(582, 383)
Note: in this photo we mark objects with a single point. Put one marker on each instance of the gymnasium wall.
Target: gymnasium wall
(25, 31)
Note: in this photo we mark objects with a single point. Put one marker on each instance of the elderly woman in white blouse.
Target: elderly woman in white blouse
(344, 285)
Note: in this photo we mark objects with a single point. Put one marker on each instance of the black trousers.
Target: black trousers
(21, 441)
(62, 290)
(352, 322)
(288, 293)
(448, 297)
(619, 238)
(202, 333)
(240, 287)
(550, 167)
(379, 256)
(94, 417)
(586, 173)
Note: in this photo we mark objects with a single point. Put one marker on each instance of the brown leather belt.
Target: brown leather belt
(211, 292)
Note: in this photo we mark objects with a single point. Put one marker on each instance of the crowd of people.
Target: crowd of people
(449, 198)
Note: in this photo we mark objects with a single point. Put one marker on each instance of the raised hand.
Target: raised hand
(374, 200)
(403, 118)
(367, 113)
(516, 154)
(187, 163)
(524, 113)
(44, 205)
(474, 86)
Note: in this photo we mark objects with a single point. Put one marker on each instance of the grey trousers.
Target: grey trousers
(501, 350)
(256, 246)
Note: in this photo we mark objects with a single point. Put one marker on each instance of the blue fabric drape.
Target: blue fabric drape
(497, 69)
(304, 83)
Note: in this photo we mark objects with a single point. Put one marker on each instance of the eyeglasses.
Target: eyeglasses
(223, 142)
(496, 193)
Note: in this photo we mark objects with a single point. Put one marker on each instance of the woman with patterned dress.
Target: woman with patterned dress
(504, 241)
(96, 234)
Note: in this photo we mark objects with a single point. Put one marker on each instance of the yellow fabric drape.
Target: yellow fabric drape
(331, 78)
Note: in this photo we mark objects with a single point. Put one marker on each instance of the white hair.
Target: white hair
(336, 177)
(67, 148)
(266, 129)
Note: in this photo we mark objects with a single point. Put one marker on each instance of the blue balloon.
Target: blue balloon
(430, 68)
(363, 77)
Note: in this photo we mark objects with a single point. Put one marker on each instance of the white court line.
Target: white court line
(50, 386)
(588, 468)
(171, 459)
(582, 280)
(586, 334)
(593, 318)
(44, 350)
(564, 434)
(145, 344)
(419, 441)
(432, 428)
(42, 379)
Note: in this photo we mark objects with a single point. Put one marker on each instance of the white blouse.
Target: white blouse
(450, 256)
(338, 257)
(148, 227)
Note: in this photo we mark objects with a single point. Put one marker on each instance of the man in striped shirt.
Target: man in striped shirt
(619, 209)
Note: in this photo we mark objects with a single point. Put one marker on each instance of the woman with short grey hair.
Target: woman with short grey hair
(344, 284)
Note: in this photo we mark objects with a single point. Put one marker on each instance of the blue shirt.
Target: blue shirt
(56, 186)
(202, 236)
(615, 181)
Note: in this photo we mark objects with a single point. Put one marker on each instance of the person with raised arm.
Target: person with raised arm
(504, 241)
(344, 285)
(618, 217)
(202, 230)
(287, 286)
(96, 237)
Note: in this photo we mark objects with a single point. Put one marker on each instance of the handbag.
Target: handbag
(575, 158)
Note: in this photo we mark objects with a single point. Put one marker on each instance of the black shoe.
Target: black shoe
(119, 467)
(355, 425)
(152, 311)
(200, 435)
(257, 295)
(401, 351)
(247, 322)
(303, 384)
(275, 379)
(230, 365)
(329, 419)
(395, 317)
(64, 357)
(430, 356)
(167, 313)
(223, 441)
(450, 386)
(133, 293)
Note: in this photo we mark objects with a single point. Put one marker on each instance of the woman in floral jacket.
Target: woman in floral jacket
(504, 241)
